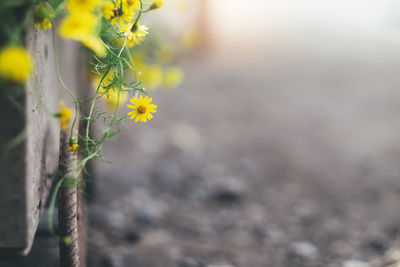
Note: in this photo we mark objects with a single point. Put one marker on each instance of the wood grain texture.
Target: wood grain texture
(30, 167)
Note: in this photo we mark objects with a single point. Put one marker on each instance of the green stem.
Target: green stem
(119, 54)
(60, 80)
(53, 204)
(17, 105)
(92, 108)
(140, 13)
(10, 145)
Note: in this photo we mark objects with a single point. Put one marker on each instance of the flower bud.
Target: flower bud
(156, 4)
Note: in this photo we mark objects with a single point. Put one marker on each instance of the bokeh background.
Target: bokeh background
(280, 148)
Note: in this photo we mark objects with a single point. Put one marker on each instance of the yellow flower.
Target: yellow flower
(134, 32)
(42, 15)
(81, 27)
(132, 5)
(108, 10)
(142, 109)
(64, 115)
(118, 12)
(151, 76)
(78, 26)
(16, 63)
(173, 77)
(79, 6)
(44, 24)
(95, 44)
(41, 19)
(156, 4)
(109, 95)
(106, 81)
(73, 147)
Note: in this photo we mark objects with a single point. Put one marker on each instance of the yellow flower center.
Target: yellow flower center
(141, 109)
(117, 12)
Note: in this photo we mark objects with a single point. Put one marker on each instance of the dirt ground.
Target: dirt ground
(282, 158)
(272, 158)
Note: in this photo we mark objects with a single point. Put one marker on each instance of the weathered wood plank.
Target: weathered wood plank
(30, 167)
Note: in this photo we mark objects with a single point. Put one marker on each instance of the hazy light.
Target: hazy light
(253, 18)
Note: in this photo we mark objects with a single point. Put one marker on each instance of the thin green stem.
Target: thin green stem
(17, 105)
(119, 54)
(10, 145)
(140, 13)
(53, 204)
(60, 80)
(92, 108)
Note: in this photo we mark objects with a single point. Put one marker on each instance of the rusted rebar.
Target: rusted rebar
(67, 206)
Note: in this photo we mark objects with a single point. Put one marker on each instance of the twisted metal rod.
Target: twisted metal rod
(68, 205)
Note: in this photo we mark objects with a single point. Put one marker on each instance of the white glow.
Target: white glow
(255, 17)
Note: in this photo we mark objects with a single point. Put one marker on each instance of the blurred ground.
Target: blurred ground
(283, 152)
(275, 158)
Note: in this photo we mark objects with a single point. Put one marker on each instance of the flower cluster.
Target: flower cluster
(82, 24)
(43, 15)
(121, 68)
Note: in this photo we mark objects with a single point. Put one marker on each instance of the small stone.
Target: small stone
(147, 209)
(228, 190)
(132, 236)
(186, 137)
(392, 256)
(189, 262)
(376, 245)
(355, 263)
(304, 249)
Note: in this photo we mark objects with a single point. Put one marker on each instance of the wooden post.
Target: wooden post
(26, 179)
(31, 166)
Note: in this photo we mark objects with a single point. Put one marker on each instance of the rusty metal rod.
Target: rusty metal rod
(67, 206)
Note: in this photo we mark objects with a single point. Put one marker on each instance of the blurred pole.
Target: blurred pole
(202, 25)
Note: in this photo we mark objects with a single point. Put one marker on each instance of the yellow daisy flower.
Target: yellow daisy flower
(118, 11)
(73, 147)
(79, 6)
(108, 10)
(150, 75)
(75, 26)
(142, 109)
(95, 44)
(16, 63)
(134, 32)
(81, 27)
(132, 5)
(64, 115)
